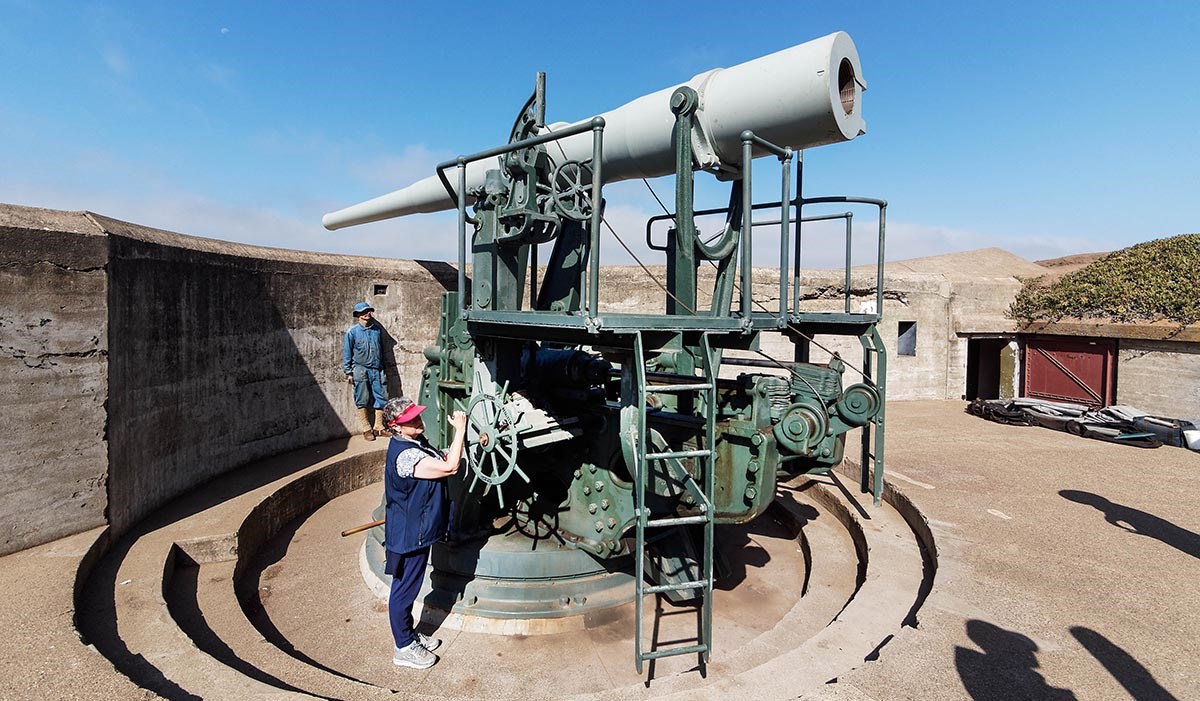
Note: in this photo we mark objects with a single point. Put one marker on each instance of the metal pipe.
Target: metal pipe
(799, 221)
(594, 252)
(879, 263)
(462, 239)
(846, 286)
(785, 225)
(747, 212)
(539, 100)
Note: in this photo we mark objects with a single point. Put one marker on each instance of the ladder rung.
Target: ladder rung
(679, 521)
(678, 586)
(670, 652)
(680, 454)
(695, 387)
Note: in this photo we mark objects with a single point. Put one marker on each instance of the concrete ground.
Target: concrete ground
(1067, 568)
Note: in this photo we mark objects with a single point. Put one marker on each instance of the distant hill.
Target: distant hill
(1057, 267)
(1154, 281)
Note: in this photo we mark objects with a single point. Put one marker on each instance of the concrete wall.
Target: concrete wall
(1161, 377)
(53, 376)
(208, 354)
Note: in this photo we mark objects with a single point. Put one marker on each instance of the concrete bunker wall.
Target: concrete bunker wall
(1161, 377)
(140, 363)
(53, 376)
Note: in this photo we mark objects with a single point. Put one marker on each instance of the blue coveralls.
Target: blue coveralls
(417, 515)
(362, 357)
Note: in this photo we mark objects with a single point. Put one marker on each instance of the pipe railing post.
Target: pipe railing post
(462, 238)
(594, 245)
(849, 230)
(747, 211)
(785, 228)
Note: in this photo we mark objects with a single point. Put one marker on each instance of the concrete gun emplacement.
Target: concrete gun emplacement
(614, 434)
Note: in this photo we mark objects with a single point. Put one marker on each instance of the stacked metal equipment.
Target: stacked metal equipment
(604, 446)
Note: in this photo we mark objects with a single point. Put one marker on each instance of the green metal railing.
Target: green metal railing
(592, 272)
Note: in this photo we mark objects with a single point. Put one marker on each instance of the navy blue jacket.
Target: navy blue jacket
(418, 510)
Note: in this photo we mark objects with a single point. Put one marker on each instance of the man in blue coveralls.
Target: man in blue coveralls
(362, 361)
(417, 516)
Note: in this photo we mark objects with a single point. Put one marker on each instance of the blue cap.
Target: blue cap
(362, 307)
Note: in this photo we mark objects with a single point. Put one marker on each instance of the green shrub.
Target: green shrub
(1152, 281)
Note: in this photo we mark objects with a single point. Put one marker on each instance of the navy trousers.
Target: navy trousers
(408, 571)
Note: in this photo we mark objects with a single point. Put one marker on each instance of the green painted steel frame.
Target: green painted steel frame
(720, 327)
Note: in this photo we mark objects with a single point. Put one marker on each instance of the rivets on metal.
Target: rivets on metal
(599, 526)
(591, 508)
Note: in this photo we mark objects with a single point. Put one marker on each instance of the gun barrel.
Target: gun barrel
(801, 97)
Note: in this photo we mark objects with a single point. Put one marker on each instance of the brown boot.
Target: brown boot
(364, 425)
(379, 429)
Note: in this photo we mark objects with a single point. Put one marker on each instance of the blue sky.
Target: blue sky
(1042, 128)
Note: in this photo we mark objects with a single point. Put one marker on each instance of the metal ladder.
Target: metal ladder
(705, 456)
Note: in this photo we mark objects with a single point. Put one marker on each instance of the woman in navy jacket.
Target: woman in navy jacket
(417, 516)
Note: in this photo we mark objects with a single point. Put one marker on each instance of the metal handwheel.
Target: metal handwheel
(492, 430)
(572, 183)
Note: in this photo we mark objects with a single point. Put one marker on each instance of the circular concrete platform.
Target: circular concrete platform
(257, 594)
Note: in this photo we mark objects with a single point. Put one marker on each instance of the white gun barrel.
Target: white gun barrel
(805, 96)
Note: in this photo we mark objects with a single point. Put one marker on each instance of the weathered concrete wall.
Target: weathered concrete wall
(53, 376)
(223, 354)
(1161, 377)
(138, 363)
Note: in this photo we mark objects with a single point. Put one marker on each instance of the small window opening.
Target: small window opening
(380, 290)
(906, 340)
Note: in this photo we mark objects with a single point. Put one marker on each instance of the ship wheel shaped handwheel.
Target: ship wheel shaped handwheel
(572, 182)
(493, 448)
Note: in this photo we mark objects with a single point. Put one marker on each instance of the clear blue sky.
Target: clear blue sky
(1042, 128)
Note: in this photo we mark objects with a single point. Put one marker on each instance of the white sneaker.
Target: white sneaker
(413, 655)
(428, 642)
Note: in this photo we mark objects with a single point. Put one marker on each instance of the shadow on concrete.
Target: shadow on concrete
(1139, 522)
(453, 568)
(737, 550)
(392, 383)
(1005, 669)
(97, 609)
(1130, 673)
(183, 602)
(656, 644)
(249, 594)
(800, 514)
(98, 627)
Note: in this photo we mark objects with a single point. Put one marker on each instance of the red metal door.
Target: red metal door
(1071, 369)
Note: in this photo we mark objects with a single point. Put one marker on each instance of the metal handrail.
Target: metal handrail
(596, 126)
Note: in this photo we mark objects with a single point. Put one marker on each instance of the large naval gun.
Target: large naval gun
(606, 447)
